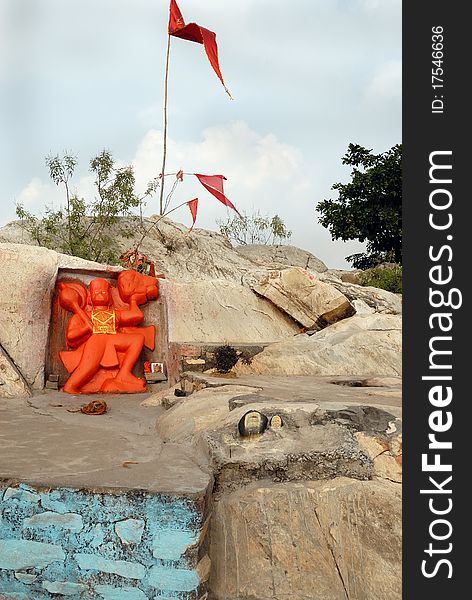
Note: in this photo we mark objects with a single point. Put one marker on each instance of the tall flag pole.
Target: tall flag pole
(193, 33)
(164, 147)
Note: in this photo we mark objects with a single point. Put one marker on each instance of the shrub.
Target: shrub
(255, 229)
(386, 277)
(225, 358)
(88, 228)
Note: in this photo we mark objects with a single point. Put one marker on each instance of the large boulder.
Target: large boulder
(311, 302)
(377, 299)
(368, 344)
(281, 256)
(328, 540)
(209, 311)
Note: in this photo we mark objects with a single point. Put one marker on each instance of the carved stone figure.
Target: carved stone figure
(252, 423)
(103, 333)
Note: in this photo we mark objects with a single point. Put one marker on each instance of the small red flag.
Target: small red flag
(193, 206)
(195, 33)
(214, 184)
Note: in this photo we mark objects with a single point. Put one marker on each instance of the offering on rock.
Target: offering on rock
(276, 422)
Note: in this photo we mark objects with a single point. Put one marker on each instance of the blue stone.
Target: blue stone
(26, 577)
(24, 554)
(171, 544)
(130, 531)
(98, 536)
(70, 521)
(108, 592)
(178, 580)
(21, 494)
(50, 502)
(64, 588)
(125, 568)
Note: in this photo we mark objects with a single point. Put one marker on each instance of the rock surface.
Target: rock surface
(203, 410)
(317, 440)
(379, 300)
(12, 383)
(329, 540)
(385, 454)
(196, 255)
(311, 302)
(281, 256)
(367, 344)
(304, 448)
(212, 311)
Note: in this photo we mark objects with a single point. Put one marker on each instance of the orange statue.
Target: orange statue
(103, 333)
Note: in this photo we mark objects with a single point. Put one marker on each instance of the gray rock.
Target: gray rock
(328, 540)
(367, 344)
(313, 303)
(301, 449)
(202, 410)
(178, 254)
(281, 256)
(379, 300)
(192, 256)
(343, 275)
(210, 311)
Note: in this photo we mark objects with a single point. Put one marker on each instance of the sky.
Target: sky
(308, 77)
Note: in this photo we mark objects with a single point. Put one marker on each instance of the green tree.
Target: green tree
(368, 208)
(254, 229)
(82, 228)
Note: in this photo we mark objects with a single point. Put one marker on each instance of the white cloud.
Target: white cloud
(261, 171)
(263, 174)
(36, 194)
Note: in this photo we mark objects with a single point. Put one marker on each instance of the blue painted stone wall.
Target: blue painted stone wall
(77, 544)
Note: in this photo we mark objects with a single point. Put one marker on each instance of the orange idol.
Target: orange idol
(103, 333)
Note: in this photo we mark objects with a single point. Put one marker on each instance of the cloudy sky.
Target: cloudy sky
(308, 78)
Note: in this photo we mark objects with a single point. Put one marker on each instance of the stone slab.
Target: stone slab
(313, 303)
(329, 540)
(310, 388)
(43, 443)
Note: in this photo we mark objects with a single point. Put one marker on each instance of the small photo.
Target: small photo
(157, 367)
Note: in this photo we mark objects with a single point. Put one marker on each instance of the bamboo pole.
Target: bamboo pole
(164, 147)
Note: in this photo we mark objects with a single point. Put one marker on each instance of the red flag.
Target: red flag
(214, 184)
(193, 206)
(195, 33)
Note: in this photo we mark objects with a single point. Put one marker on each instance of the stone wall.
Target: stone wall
(92, 545)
